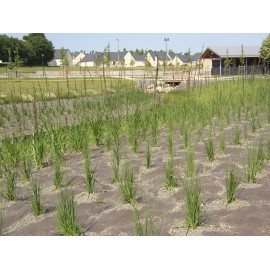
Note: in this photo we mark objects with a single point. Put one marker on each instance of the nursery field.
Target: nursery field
(127, 162)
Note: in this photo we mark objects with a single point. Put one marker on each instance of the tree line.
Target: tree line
(33, 50)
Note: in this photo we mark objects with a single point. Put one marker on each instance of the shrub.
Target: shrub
(210, 149)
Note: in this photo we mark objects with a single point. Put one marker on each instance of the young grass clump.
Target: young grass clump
(260, 157)
(210, 149)
(232, 181)
(116, 163)
(88, 170)
(148, 157)
(171, 181)
(192, 203)
(127, 185)
(58, 171)
(236, 136)
(66, 217)
(170, 145)
(35, 198)
(222, 144)
(26, 169)
(190, 169)
(252, 166)
(10, 180)
(38, 149)
(146, 227)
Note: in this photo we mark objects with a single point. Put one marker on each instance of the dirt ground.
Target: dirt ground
(104, 213)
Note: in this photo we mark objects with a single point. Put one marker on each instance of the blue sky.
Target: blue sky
(177, 42)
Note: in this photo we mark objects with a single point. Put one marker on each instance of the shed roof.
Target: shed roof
(234, 51)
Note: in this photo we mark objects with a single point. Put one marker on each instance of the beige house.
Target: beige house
(77, 57)
(57, 59)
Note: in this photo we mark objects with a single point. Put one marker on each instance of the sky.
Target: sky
(178, 42)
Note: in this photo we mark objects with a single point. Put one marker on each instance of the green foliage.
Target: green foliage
(26, 169)
(127, 185)
(145, 226)
(171, 181)
(222, 143)
(148, 157)
(265, 49)
(39, 44)
(232, 181)
(10, 180)
(58, 171)
(252, 166)
(210, 149)
(66, 217)
(38, 149)
(192, 203)
(190, 169)
(35, 198)
(88, 170)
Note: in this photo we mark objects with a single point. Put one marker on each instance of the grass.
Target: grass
(237, 136)
(145, 226)
(38, 149)
(10, 180)
(148, 157)
(58, 172)
(127, 185)
(210, 149)
(222, 144)
(190, 169)
(59, 88)
(66, 216)
(171, 181)
(252, 166)
(115, 163)
(192, 203)
(35, 198)
(26, 169)
(88, 170)
(260, 157)
(232, 181)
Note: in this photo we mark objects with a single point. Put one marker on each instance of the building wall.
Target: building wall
(79, 57)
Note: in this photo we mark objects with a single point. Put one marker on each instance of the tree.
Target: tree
(265, 50)
(227, 64)
(242, 57)
(39, 45)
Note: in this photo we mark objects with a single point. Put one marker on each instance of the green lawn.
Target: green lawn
(23, 90)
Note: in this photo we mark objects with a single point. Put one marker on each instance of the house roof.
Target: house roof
(196, 56)
(234, 51)
(91, 57)
(138, 57)
(75, 54)
(57, 53)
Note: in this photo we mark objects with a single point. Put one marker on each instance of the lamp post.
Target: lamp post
(166, 40)
(42, 63)
(118, 56)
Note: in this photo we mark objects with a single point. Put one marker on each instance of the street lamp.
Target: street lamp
(118, 56)
(166, 40)
(42, 63)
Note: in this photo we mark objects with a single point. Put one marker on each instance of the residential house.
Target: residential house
(139, 59)
(77, 57)
(57, 59)
(91, 60)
